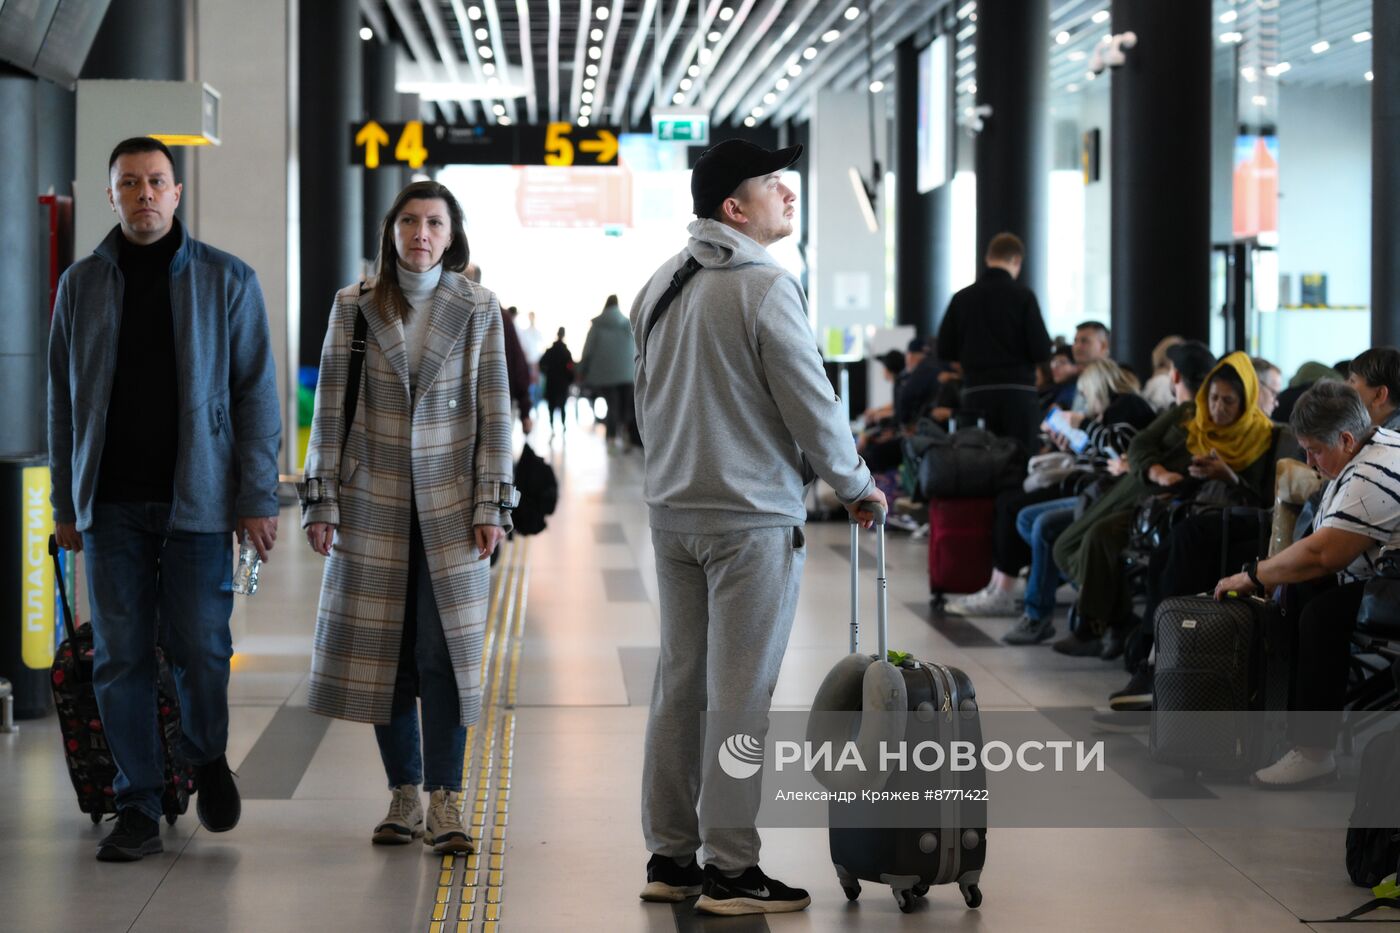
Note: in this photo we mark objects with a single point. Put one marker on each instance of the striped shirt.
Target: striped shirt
(1365, 500)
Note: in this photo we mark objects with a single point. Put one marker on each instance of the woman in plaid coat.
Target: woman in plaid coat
(409, 509)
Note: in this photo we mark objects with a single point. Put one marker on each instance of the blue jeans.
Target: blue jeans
(148, 583)
(425, 669)
(1039, 525)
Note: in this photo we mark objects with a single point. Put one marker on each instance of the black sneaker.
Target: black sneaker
(671, 882)
(216, 795)
(753, 892)
(1077, 647)
(134, 836)
(1137, 695)
(1029, 631)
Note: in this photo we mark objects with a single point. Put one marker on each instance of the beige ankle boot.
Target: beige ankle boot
(445, 830)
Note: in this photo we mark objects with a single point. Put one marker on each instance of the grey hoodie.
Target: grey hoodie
(735, 410)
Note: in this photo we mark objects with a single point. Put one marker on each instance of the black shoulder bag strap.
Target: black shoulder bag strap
(357, 365)
(683, 275)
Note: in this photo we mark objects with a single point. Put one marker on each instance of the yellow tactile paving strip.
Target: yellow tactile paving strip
(469, 892)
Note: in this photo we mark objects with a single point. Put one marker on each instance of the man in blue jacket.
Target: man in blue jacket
(164, 428)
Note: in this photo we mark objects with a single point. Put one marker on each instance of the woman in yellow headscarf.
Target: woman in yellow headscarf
(1216, 436)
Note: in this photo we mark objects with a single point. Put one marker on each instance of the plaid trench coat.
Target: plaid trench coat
(448, 445)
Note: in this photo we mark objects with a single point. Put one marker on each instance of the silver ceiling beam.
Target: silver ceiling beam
(668, 88)
(812, 39)
(894, 22)
(732, 63)
(418, 47)
(629, 67)
(527, 60)
(646, 96)
(443, 42)
(498, 51)
(749, 75)
(731, 32)
(600, 87)
(553, 61)
(369, 9)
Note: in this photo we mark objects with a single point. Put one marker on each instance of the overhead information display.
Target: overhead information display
(415, 144)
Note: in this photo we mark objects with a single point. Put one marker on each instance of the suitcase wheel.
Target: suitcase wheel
(920, 890)
(171, 818)
(972, 894)
(852, 890)
(96, 818)
(905, 900)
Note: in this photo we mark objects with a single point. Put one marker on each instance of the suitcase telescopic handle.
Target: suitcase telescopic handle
(881, 603)
(62, 589)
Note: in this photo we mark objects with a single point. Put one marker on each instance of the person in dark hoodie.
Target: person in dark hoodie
(736, 414)
(606, 367)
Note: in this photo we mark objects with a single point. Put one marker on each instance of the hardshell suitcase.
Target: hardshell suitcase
(960, 544)
(90, 763)
(1220, 657)
(911, 859)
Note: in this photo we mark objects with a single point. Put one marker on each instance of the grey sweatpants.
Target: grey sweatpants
(727, 605)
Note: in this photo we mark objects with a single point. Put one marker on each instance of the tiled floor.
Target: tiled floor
(573, 855)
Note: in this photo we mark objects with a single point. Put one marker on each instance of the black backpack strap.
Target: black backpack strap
(1366, 908)
(683, 275)
(357, 365)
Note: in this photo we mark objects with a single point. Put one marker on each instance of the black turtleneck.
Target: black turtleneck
(143, 416)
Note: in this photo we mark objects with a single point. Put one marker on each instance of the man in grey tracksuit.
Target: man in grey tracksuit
(736, 416)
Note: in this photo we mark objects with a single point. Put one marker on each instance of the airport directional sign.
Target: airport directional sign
(416, 144)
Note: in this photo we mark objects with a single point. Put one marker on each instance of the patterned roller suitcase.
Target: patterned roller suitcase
(90, 763)
(1229, 658)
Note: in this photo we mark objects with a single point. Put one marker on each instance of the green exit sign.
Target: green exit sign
(676, 125)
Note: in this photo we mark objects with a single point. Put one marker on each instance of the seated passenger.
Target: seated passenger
(1218, 449)
(1115, 413)
(1065, 375)
(1375, 375)
(1359, 516)
(1270, 384)
(1158, 389)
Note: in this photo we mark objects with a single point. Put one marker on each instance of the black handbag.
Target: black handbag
(970, 463)
(1380, 600)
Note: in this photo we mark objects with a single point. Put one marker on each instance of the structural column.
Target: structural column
(381, 102)
(1012, 168)
(332, 196)
(1160, 147)
(24, 314)
(1385, 175)
(920, 234)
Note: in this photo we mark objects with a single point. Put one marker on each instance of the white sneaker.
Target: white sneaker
(1295, 771)
(404, 823)
(988, 602)
(920, 533)
(445, 830)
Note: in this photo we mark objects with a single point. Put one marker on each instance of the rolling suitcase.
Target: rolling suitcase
(90, 763)
(912, 859)
(960, 545)
(1231, 659)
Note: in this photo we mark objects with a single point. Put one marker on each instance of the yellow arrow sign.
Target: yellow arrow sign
(371, 136)
(605, 146)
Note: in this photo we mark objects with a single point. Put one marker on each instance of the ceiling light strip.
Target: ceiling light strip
(736, 23)
(369, 9)
(443, 42)
(585, 23)
(459, 12)
(692, 50)
(553, 61)
(811, 38)
(527, 61)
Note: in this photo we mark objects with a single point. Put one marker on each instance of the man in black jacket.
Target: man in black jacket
(993, 328)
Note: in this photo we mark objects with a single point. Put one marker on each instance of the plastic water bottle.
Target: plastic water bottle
(245, 575)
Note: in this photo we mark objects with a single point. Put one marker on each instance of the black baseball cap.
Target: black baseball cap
(1193, 360)
(892, 360)
(727, 165)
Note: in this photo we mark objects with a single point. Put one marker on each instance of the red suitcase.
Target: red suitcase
(960, 544)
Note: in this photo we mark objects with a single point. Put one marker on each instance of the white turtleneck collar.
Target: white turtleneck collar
(418, 286)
